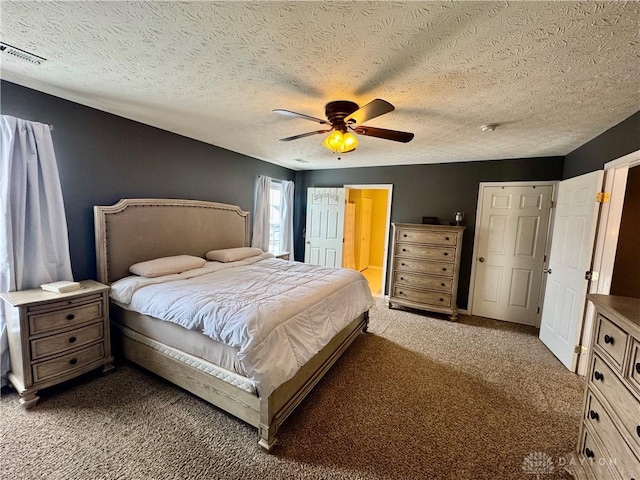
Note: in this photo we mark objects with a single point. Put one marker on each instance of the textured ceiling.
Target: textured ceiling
(552, 75)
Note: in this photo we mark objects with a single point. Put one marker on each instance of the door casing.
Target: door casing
(389, 188)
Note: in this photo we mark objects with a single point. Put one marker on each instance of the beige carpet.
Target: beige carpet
(416, 398)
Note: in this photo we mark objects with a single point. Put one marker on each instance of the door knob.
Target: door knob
(481, 259)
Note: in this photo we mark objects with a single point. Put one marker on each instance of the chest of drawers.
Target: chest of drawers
(425, 266)
(54, 337)
(609, 441)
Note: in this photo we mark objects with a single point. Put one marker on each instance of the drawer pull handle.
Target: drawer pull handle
(446, 254)
(442, 284)
(444, 269)
(598, 376)
(400, 293)
(589, 453)
(594, 415)
(73, 361)
(405, 235)
(442, 299)
(404, 249)
(402, 264)
(446, 238)
(72, 339)
(608, 339)
(71, 316)
(638, 367)
(401, 278)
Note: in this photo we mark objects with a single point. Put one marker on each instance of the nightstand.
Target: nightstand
(54, 337)
(283, 255)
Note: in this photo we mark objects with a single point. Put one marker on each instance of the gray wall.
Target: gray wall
(103, 158)
(616, 142)
(431, 190)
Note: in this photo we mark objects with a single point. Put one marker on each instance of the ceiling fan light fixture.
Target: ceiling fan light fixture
(339, 142)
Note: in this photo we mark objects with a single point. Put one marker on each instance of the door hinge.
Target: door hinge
(580, 350)
(603, 197)
(538, 310)
(593, 276)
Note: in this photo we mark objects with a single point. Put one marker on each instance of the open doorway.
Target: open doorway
(367, 221)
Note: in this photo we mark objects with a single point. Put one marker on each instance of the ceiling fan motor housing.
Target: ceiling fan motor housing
(337, 111)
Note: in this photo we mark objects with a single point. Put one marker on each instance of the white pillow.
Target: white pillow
(233, 254)
(167, 265)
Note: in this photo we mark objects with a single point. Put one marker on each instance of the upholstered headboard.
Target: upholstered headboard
(138, 229)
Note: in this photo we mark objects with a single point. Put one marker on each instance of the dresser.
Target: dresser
(609, 441)
(425, 266)
(54, 337)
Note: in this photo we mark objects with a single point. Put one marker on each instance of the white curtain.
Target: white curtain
(261, 213)
(34, 244)
(286, 218)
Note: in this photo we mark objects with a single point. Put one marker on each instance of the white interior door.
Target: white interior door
(325, 226)
(572, 240)
(511, 242)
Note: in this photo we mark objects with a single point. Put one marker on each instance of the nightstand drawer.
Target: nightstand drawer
(612, 340)
(62, 342)
(53, 320)
(444, 254)
(417, 236)
(441, 284)
(407, 264)
(67, 363)
(419, 296)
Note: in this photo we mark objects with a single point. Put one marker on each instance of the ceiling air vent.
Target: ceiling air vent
(21, 54)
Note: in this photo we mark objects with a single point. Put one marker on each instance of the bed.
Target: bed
(139, 230)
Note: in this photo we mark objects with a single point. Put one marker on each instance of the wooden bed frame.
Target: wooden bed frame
(135, 230)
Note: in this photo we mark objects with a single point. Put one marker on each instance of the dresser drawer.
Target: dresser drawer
(417, 236)
(432, 268)
(62, 342)
(612, 340)
(443, 254)
(441, 284)
(623, 403)
(67, 363)
(420, 296)
(52, 320)
(633, 373)
(595, 457)
(602, 424)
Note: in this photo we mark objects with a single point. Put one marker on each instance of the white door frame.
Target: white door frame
(615, 183)
(554, 184)
(389, 188)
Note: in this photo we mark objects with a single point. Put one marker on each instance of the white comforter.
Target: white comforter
(278, 314)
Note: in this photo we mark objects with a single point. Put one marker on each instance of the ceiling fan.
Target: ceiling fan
(345, 117)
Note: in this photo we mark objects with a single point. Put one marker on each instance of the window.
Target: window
(275, 209)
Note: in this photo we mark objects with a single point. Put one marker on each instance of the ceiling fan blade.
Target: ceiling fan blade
(289, 113)
(371, 110)
(394, 135)
(302, 135)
